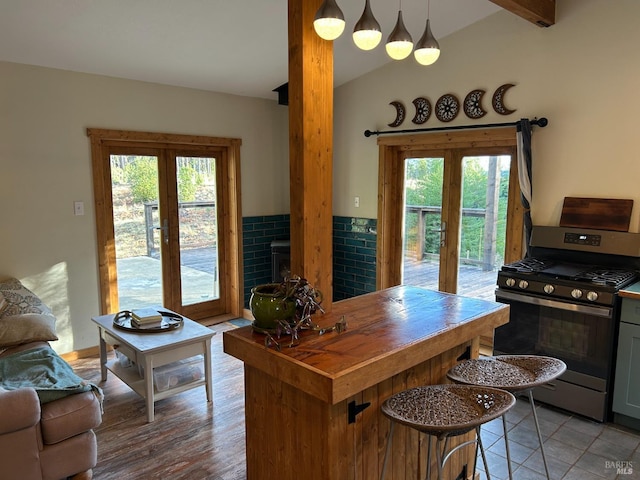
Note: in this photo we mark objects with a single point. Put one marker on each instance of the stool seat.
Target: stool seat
(447, 409)
(513, 373)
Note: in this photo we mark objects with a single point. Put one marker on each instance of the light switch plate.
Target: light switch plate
(78, 208)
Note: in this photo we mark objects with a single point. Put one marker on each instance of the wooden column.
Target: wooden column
(311, 148)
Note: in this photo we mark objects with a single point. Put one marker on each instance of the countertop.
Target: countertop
(388, 331)
(631, 291)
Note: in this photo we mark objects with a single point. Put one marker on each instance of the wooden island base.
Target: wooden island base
(312, 411)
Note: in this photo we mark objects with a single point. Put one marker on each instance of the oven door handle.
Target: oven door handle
(543, 302)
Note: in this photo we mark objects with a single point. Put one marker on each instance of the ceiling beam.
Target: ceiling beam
(540, 12)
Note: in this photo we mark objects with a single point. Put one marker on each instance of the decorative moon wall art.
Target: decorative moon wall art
(423, 110)
(447, 107)
(498, 99)
(471, 104)
(400, 113)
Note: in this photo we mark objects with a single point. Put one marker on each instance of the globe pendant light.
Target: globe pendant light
(399, 44)
(329, 20)
(427, 50)
(367, 33)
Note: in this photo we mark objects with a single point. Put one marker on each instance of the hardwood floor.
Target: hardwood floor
(189, 439)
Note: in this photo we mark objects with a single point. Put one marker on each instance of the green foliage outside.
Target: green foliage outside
(423, 187)
(189, 180)
(142, 175)
(135, 182)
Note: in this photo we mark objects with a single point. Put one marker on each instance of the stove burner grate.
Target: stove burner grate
(527, 265)
(609, 277)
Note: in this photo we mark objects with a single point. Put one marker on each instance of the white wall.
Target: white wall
(582, 74)
(45, 165)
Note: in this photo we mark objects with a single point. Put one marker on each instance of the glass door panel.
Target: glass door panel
(198, 227)
(485, 189)
(138, 231)
(422, 230)
(478, 229)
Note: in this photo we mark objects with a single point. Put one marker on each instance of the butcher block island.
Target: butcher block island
(312, 411)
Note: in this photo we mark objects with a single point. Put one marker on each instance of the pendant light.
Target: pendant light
(329, 20)
(399, 44)
(427, 50)
(367, 33)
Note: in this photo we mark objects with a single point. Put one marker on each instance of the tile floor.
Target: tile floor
(576, 448)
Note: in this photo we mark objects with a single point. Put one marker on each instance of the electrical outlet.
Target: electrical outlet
(78, 208)
(356, 202)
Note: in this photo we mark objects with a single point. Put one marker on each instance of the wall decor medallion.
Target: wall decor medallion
(472, 104)
(423, 110)
(447, 107)
(400, 113)
(498, 99)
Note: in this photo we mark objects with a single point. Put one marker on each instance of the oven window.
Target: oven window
(584, 342)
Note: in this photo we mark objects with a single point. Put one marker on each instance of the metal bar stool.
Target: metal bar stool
(445, 411)
(515, 374)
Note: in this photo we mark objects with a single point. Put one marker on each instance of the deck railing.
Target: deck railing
(488, 237)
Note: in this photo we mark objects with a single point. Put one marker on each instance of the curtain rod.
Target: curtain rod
(541, 122)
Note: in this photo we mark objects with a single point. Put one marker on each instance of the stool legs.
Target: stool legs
(506, 438)
(386, 451)
(535, 419)
(438, 457)
(441, 458)
(506, 445)
(429, 457)
(477, 441)
(484, 457)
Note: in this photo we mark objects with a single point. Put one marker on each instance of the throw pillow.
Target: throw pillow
(25, 318)
(3, 303)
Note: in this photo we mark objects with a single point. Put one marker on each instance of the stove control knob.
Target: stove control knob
(511, 282)
(576, 293)
(548, 288)
(592, 296)
(523, 284)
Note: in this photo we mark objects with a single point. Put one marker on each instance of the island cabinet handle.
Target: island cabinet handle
(356, 409)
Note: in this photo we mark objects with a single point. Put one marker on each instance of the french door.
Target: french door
(163, 215)
(432, 224)
(454, 231)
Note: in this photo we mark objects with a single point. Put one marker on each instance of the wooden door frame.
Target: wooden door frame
(229, 215)
(451, 145)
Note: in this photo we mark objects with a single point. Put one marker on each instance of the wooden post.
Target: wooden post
(311, 149)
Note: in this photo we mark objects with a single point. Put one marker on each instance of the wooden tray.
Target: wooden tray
(597, 213)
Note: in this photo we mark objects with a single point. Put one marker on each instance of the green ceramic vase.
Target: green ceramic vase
(268, 305)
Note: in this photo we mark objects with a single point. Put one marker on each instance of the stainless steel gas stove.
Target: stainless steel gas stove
(564, 304)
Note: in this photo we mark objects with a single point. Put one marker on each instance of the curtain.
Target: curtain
(523, 128)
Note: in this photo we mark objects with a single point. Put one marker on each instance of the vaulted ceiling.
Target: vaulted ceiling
(237, 47)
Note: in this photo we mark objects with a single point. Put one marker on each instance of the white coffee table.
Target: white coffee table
(152, 350)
